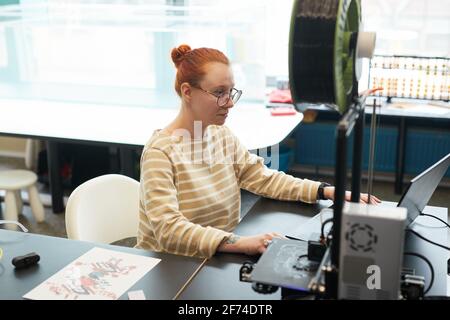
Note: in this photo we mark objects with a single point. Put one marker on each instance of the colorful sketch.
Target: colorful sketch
(99, 274)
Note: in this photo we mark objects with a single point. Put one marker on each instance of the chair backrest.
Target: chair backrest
(104, 209)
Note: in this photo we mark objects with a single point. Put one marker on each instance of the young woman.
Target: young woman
(192, 170)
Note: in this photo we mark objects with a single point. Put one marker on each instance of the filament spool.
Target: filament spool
(322, 53)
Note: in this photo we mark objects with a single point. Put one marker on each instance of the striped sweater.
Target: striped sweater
(190, 190)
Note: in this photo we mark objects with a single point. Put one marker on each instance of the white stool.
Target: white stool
(12, 181)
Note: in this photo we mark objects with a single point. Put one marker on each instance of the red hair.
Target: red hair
(190, 64)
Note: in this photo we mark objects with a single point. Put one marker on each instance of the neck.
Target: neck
(186, 121)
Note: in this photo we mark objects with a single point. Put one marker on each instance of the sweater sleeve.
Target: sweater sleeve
(255, 177)
(173, 231)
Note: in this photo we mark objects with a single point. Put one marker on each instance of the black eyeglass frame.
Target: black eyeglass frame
(231, 95)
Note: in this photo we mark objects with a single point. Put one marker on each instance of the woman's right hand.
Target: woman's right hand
(250, 245)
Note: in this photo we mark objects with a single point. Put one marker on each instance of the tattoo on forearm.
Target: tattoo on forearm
(232, 239)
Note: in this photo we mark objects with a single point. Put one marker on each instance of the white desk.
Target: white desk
(125, 127)
(251, 122)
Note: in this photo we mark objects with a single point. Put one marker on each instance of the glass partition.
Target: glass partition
(118, 52)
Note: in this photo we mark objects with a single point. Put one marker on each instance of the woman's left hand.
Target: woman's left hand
(364, 198)
(328, 192)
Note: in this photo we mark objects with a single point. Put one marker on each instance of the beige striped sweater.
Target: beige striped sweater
(190, 190)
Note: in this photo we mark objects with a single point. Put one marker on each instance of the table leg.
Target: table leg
(54, 176)
(114, 164)
(401, 148)
(127, 162)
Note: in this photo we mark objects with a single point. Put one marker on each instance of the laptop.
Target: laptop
(414, 199)
(421, 188)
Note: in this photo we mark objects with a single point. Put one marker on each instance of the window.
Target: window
(118, 52)
(409, 27)
(3, 49)
(412, 27)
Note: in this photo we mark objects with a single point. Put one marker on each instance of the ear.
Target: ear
(186, 91)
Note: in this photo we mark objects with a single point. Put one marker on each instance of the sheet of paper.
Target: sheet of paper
(136, 295)
(99, 274)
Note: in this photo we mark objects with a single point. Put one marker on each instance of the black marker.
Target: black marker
(26, 260)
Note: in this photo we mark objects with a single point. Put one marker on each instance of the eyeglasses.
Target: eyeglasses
(223, 98)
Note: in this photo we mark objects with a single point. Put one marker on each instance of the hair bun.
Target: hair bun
(179, 53)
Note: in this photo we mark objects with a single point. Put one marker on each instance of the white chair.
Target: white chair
(13, 181)
(104, 209)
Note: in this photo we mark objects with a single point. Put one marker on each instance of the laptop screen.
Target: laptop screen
(422, 187)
